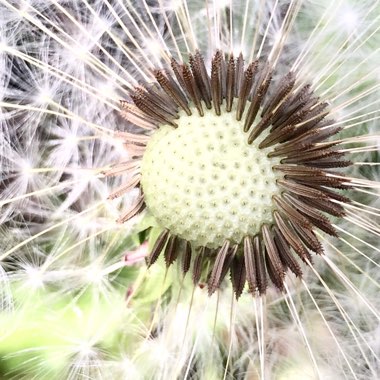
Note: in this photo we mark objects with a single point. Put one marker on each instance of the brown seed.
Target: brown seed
(158, 247)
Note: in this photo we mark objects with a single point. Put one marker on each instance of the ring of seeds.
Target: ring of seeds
(237, 168)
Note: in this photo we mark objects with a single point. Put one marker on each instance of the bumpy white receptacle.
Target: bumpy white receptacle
(204, 182)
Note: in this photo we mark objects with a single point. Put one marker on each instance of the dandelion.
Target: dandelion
(230, 140)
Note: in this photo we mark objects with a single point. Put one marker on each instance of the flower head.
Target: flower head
(239, 166)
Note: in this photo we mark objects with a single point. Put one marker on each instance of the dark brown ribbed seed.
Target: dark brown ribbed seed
(287, 258)
(297, 131)
(230, 88)
(290, 212)
(274, 264)
(216, 85)
(292, 238)
(308, 238)
(250, 264)
(201, 78)
(262, 282)
(197, 266)
(171, 250)
(238, 274)
(158, 247)
(186, 258)
(216, 273)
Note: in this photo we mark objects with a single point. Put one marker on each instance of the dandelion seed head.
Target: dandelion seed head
(85, 350)
(153, 47)
(43, 96)
(35, 277)
(349, 18)
(93, 275)
(128, 368)
(26, 168)
(155, 354)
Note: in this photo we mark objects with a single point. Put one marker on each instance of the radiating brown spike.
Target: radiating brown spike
(171, 250)
(238, 275)
(274, 264)
(216, 272)
(324, 226)
(227, 263)
(312, 155)
(290, 149)
(245, 88)
(201, 77)
(303, 93)
(283, 89)
(301, 171)
(259, 128)
(290, 146)
(153, 101)
(294, 106)
(197, 266)
(216, 81)
(172, 90)
(273, 275)
(314, 117)
(305, 209)
(299, 144)
(277, 136)
(192, 88)
(261, 275)
(230, 87)
(186, 258)
(252, 112)
(293, 119)
(132, 183)
(135, 116)
(292, 239)
(290, 212)
(158, 247)
(305, 191)
(287, 258)
(128, 167)
(320, 132)
(323, 180)
(202, 68)
(133, 211)
(158, 97)
(150, 110)
(177, 69)
(331, 194)
(258, 95)
(239, 74)
(329, 163)
(223, 77)
(298, 170)
(250, 264)
(308, 237)
(334, 209)
(325, 131)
